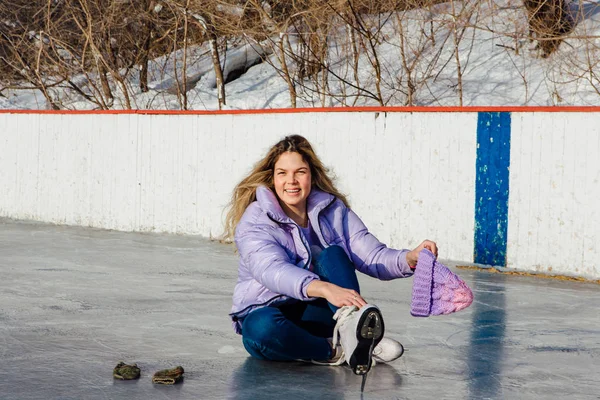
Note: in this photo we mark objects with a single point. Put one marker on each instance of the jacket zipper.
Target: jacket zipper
(307, 265)
(319, 215)
(301, 239)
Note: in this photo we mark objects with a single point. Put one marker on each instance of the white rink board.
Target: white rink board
(554, 202)
(408, 175)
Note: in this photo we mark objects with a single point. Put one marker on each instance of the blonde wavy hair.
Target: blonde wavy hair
(263, 172)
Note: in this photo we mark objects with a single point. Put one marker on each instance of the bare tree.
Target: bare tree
(109, 53)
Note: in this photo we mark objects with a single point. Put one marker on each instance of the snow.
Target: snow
(498, 67)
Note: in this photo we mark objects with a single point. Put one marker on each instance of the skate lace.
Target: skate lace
(342, 315)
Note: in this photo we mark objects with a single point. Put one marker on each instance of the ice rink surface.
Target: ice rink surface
(75, 301)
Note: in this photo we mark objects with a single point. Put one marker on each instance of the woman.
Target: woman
(297, 296)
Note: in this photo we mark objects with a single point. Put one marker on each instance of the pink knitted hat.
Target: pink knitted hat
(436, 289)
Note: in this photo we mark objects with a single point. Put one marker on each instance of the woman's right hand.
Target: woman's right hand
(336, 295)
(412, 257)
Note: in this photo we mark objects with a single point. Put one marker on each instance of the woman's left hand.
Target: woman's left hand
(413, 256)
(334, 294)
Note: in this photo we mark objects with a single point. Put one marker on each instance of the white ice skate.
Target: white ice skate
(387, 351)
(358, 331)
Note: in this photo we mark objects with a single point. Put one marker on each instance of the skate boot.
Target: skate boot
(387, 351)
(358, 331)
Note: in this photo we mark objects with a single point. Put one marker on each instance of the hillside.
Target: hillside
(403, 58)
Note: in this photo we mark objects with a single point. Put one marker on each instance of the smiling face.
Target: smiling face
(292, 181)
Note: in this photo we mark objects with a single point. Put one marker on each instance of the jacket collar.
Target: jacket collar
(267, 200)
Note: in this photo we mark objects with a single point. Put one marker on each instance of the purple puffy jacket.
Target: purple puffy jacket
(274, 255)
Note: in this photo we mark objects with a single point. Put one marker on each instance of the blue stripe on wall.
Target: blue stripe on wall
(491, 187)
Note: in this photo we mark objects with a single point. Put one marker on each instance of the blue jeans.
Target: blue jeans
(299, 330)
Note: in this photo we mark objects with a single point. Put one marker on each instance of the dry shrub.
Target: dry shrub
(549, 21)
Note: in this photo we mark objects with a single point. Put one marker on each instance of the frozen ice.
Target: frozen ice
(76, 301)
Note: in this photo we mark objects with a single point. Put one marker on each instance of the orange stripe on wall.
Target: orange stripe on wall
(319, 110)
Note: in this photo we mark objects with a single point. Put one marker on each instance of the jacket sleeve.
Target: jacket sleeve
(270, 265)
(372, 257)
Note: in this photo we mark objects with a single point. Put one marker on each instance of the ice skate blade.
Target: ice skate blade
(371, 328)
